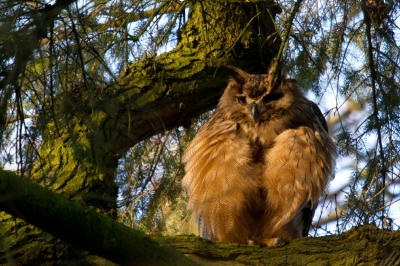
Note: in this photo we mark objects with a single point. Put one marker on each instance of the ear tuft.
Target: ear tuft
(237, 74)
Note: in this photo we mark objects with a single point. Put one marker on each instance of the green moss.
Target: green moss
(359, 246)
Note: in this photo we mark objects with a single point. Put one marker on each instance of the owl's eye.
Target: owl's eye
(274, 96)
(241, 99)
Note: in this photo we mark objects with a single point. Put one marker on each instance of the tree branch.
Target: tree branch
(81, 227)
(15, 119)
(288, 24)
(375, 114)
(366, 245)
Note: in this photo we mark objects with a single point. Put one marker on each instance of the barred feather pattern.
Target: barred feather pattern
(257, 168)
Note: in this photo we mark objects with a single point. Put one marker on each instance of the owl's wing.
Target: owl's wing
(298, 167)
(221, 181)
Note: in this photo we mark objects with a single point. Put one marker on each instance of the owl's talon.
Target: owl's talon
(264, 242)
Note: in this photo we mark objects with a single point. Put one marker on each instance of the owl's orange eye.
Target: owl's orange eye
(241, 99)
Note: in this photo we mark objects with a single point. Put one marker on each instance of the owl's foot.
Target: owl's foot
(269, 242)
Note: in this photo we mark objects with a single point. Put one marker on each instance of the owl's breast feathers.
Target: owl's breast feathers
(259, 178)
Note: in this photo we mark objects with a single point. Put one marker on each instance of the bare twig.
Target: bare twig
(288, 25)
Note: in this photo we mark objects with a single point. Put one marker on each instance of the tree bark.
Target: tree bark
(366, 245)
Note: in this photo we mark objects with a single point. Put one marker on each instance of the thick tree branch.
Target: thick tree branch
(366, 245)
(81, 227)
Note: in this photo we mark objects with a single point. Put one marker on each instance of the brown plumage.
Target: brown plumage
(257, 168)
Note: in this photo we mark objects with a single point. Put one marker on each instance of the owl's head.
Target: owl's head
(257, 97)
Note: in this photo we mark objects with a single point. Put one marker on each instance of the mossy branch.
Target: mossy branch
(80, 226)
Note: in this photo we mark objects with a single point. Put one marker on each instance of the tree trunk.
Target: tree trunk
(89, 127)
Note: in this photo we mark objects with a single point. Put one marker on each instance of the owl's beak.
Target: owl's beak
(254, 112)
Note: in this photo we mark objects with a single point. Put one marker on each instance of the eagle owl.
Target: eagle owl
(256, 169)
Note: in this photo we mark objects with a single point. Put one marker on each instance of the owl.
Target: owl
(256, 169)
